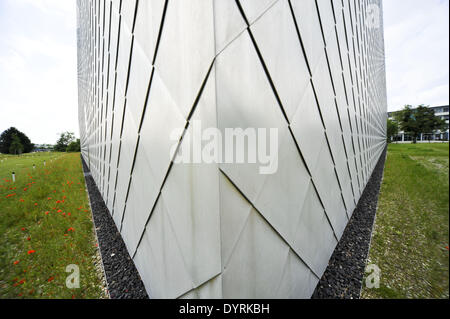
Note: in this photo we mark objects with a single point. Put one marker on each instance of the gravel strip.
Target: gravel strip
(343, 277)
(121, 274)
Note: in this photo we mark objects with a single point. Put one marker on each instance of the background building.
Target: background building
(313, 69)
(441, 112)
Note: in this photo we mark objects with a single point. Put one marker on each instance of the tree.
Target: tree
(6, 138)
(74, 146)
(392, 129)
(419, 120)
(64, 140)
(16, 146)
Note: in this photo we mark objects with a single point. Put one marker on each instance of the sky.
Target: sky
(38, 75)
(38, 68)
(416, 45)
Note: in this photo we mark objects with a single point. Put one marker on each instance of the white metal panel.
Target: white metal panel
(159, 258)
(255, 8)
(139, 78)
(244, 100)
(278, 42)
(283, 194)
(148, 23)
(297, 281)
(161, 119)
(228, 23)
(265, 255)
(184, 57)
(308, 129)
(314, 238)
(309, 27)
(191, 194)
(141, 199)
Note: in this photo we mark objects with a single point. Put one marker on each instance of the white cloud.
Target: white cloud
(416, 40)
(38, 86)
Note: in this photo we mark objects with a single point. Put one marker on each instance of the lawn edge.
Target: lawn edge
(99, 252)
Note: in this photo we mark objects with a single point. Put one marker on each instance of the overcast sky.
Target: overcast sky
(38, 77)
(416, 41)
(38, 62)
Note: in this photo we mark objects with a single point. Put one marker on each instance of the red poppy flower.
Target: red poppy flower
(59, 211)
(35, 204)
(23, 228)
(50, 279)
(32, 251)
(16, 262)
(46, 213)
(29, 238)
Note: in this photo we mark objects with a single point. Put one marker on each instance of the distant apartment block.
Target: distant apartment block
(441, 112)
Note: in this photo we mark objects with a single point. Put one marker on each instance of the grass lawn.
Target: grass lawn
(46, 225)
(410, 239)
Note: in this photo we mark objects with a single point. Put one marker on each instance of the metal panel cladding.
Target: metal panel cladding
(313, 70)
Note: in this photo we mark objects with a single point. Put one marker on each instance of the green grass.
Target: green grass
(410, 239)
(45, 225)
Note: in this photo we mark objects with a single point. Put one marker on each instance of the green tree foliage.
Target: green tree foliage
(16, 146)
(392, 129)
(64, 140)
(74, 146)
(419, 120)
(6, 138)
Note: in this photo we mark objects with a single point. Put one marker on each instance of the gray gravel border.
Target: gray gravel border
(345, 272)
(122, 277)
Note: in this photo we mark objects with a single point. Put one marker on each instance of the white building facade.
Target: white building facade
(440, 111)
(313, 70)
